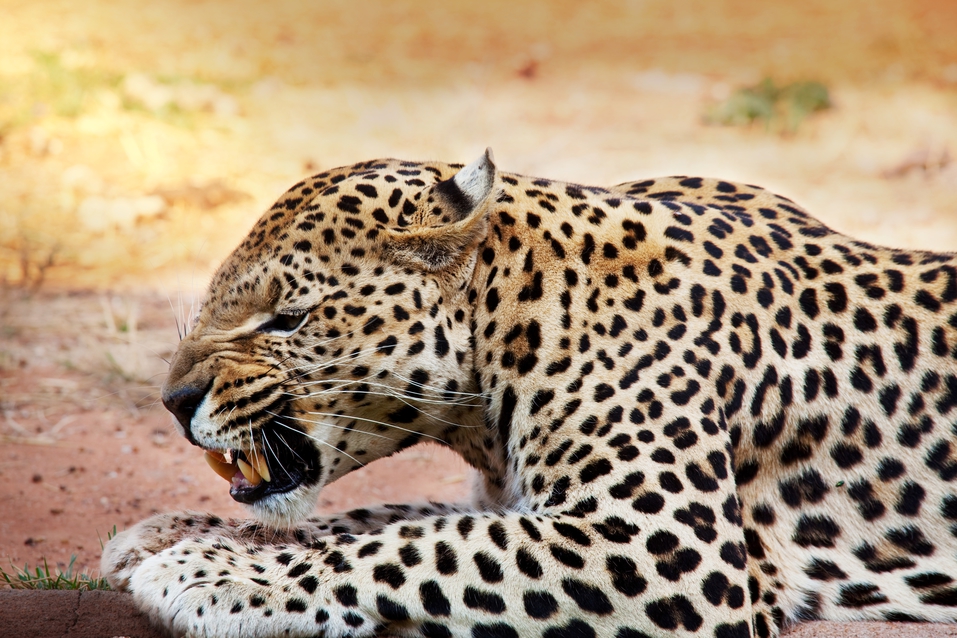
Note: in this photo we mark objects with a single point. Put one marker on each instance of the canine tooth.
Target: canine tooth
(215, 461)
(251, 474)
(258, 462)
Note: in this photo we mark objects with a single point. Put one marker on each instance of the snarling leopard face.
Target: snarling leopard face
(337, 333)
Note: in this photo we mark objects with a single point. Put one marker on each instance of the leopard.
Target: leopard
(691, 407)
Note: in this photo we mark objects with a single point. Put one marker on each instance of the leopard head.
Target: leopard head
(337, 333)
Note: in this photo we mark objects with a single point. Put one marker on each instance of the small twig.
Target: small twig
(32, 440)
(61, 424)
(13, 424)
(108, 314)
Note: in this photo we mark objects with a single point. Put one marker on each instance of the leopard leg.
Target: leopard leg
(124, 553)
(607, 555)
(446, 575)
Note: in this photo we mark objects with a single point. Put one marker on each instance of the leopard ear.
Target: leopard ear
(468, 189)
(465, 195)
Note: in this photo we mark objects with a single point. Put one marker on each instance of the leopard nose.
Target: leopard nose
(183, 400)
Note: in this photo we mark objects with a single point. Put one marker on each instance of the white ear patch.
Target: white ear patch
(476, 180)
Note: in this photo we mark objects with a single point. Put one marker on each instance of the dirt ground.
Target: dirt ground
(139, 142)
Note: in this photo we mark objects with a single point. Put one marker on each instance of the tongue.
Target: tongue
(248, 473)
(240, 482)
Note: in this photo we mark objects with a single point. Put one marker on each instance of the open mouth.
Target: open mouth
(281, 463)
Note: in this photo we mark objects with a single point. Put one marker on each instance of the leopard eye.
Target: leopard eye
(284, 323)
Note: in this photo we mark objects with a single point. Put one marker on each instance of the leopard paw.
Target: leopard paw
(126, 551)
(206, 587)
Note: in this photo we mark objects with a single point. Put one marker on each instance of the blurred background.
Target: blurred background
(139, 141)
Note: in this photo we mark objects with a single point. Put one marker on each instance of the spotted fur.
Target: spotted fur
(695, 409)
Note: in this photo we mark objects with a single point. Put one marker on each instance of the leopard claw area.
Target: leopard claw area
(126, 551)
(189, 591)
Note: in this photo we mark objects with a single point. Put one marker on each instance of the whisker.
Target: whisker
(278, 363)
(321, 442)
(286, 443)
(331, 425)
(437, 389)
(221, 409)
(179, 332)
(389, 391)
(349, 356)
(276, 456)
(318, 367)
(382, 423)
(252, 441)
(404, 400)
(152, 405)
(121, 391)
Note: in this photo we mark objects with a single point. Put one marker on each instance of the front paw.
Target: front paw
(125, 552)
(208, 588)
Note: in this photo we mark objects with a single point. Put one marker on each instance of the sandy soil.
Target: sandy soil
(139, 143)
